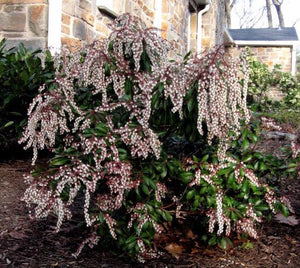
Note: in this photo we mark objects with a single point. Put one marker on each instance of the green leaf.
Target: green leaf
(145, 189)
(190, 194)
(234, 216)
(101, 218)
(126, 97)
(285, 210)
(262, 166)
(234, 144)
(122, 154)
(102, 129)
(59, 161)
(253, 137)
(245, 134)
(204, 158)
(225, 243)
(8, 124)
(167, 216)
(262, 207)
(212, 241)
(15, 113)
(186, 177)
(247, 245)
(187, 55)
(130, 239)
(164, 172)
(242, 172)
(196, 203)
(247, 158)
(245, 144)
(132, 245)
(291, 169)
(210, 200)
(225, 171)
(191, 104)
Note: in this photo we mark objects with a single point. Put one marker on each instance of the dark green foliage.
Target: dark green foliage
(21, 75)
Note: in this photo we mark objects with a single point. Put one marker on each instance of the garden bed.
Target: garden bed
(29, 243)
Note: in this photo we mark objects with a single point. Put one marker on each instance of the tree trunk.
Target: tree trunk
(269, 14)
(227, 13)
(277, 5)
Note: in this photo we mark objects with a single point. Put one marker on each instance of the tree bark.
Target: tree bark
(229, 4)
(269, 14)
(277, 5)
(227, 13)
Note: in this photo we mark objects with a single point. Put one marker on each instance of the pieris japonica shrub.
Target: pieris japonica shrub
(146, 141)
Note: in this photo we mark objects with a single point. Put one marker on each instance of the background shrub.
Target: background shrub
(261, 80)
(22, 72)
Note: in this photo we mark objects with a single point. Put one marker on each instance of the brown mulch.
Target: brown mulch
(28, 243)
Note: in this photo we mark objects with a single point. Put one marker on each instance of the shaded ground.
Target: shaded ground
(28, 243)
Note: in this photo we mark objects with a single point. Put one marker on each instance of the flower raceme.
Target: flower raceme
(114, 106)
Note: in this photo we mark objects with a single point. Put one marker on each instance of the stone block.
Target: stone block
(13, 22)
(92, 36)
(33, 43)
(88, 18)
(37, 19)
(86, 5)
(148, 12)
(68, 7)
(102, 28)
(23, 1)
(65, 29)
(13, 8)
(9, 35)
(71, 43)
(79, 30)
(65, 19)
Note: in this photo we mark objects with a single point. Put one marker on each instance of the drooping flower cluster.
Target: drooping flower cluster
(221, 98)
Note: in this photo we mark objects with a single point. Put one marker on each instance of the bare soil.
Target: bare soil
(29, 243)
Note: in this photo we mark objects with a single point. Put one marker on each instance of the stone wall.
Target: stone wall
(175, 16)
(213, 26)
(24, 21)
(209, 26)
(274, 55)
(82, 22)
(271, 56)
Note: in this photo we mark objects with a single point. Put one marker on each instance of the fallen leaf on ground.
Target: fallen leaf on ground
(174, 249)
(196, 251)
(17, 235)
(290, 220)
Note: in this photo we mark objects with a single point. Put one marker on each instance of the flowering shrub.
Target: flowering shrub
(146, 141)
